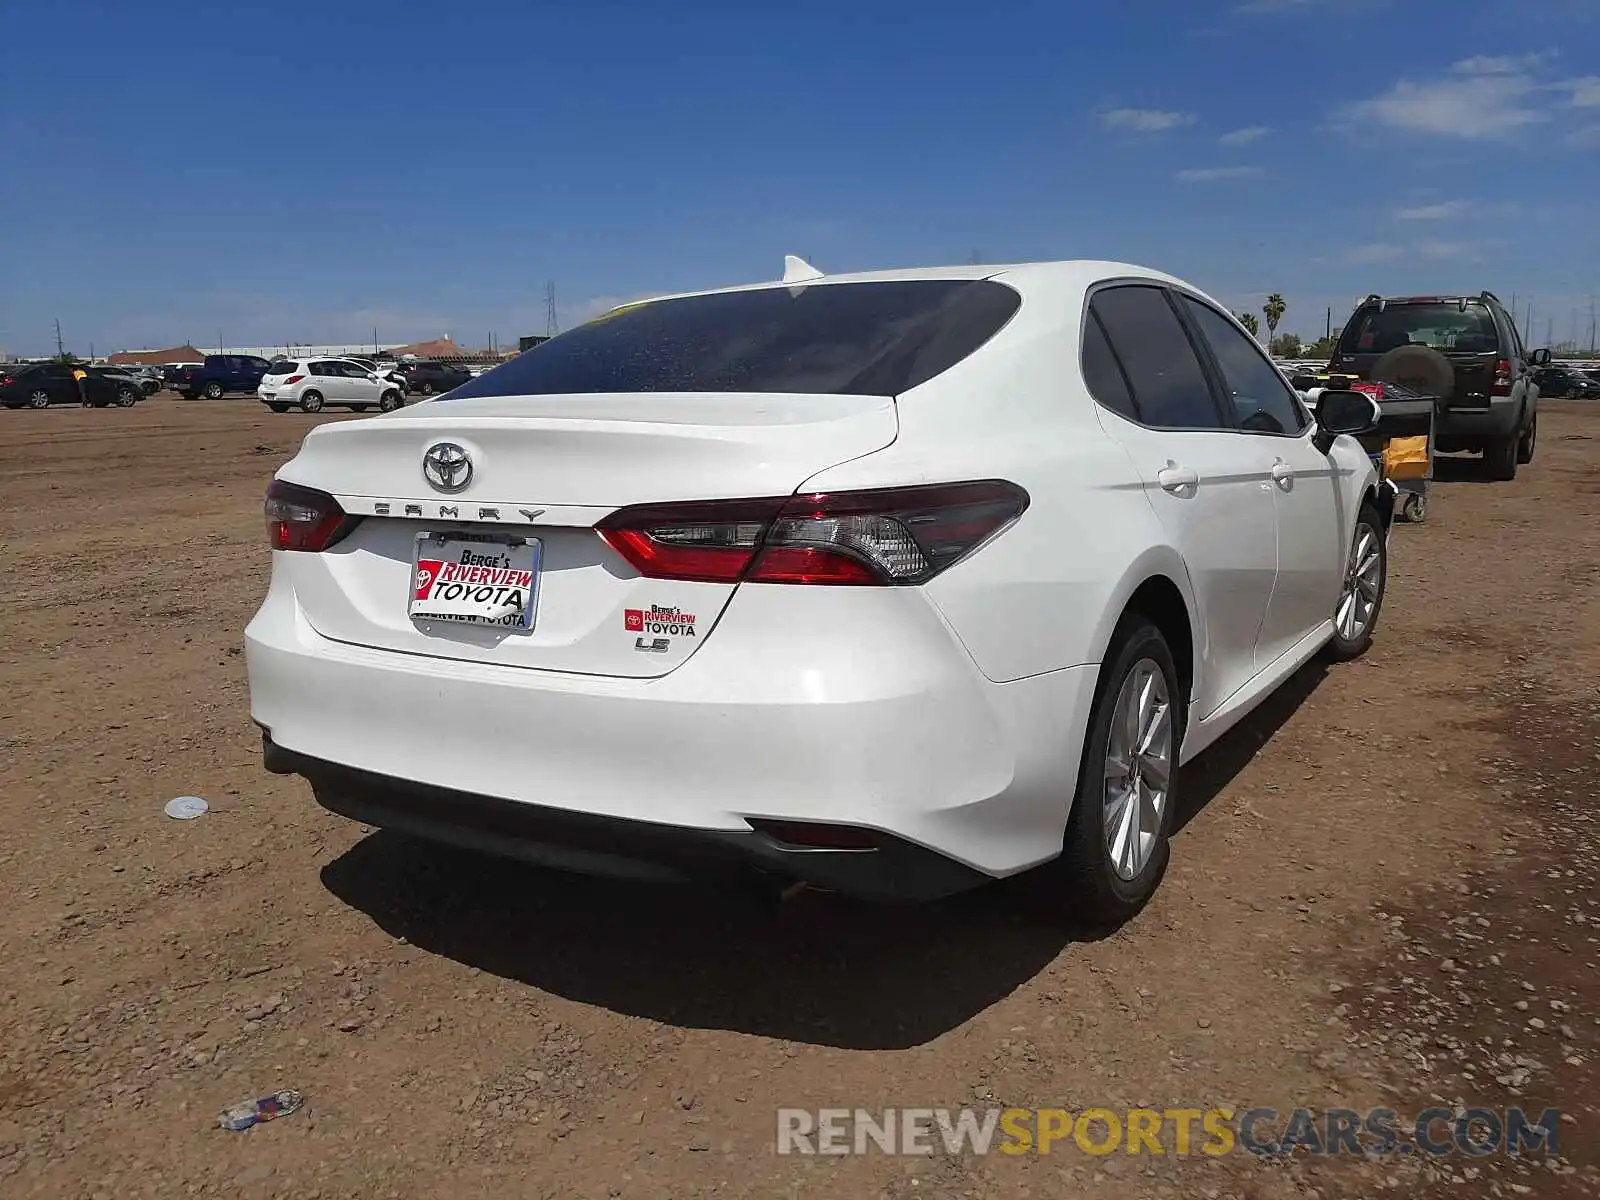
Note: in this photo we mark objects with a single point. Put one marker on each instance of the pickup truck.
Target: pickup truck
(219, 375)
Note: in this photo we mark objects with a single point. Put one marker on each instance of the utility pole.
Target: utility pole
(374, 341)
(1549, 330)
(550, 308)
(1591, 325)
(1527, 319)
(61, 351)
(1328, 332)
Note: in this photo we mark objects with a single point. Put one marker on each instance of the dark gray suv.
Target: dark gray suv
(1467, 351)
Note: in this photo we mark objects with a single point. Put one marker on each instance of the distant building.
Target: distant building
(532, 340)
(307, 350)
(156, 358)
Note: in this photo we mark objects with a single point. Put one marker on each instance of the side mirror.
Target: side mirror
(1347, 412)
(1340, 412)
(1540, 358)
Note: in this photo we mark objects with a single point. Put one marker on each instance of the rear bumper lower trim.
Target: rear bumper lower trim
(622, 847)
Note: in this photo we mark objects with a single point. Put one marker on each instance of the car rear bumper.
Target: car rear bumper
(1498, 420)
(621, 847)
(964, 779)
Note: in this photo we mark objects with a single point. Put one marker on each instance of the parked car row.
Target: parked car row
(1568, 383)
(39, 385)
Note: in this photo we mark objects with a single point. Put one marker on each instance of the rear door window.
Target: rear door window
(1169, 386)
(876, 339)
(1101, 372)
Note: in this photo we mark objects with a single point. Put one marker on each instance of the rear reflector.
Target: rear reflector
(875, 538)
(302, 518)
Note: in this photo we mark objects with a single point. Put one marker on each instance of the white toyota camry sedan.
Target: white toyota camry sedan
(887, 583)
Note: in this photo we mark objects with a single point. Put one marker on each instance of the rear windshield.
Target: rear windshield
(868, 339)
(1443, 327)
(282, 367)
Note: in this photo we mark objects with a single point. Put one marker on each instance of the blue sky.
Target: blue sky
(307, 171)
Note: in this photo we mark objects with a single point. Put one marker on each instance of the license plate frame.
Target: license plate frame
(529, 549)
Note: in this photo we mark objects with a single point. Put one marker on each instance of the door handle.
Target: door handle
(1282, 472)
(1174, 478)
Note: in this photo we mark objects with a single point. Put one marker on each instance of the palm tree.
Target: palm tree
(1273, 309)
(1248, 320)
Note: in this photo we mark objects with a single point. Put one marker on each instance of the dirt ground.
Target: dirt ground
(1384, 894)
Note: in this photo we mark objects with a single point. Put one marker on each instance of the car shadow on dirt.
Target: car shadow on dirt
(1460, 468)
(816, 969)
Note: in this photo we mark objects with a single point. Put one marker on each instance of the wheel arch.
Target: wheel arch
(1381, 496)
(1156, 587)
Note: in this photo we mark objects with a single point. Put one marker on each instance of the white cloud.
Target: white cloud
(1374, 252)
(1243, 137)
(1484, 64)
(1585, 91)
(1434, 212)
(1146, 120)
(1474, 102)
(1215, 174)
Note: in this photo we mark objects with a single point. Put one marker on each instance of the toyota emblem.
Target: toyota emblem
(447, 467)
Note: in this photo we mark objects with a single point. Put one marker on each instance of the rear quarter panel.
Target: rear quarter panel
(1046, 593)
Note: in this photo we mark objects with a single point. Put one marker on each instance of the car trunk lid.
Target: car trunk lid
(548, 468)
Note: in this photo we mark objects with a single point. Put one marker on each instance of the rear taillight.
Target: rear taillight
(6, 381)
(876, 538)
(1502, 379)
(302, 518)
(293, 379)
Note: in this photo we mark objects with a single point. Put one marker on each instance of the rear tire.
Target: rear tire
(1366, 582)
(279, 408)
(1500, 458)
(1115, 851)
(311, 402)
(1526, 442)
(213, 391)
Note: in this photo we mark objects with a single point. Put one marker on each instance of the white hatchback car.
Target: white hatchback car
(888, 583)
(312, 384)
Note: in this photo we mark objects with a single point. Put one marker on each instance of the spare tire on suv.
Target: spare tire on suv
(1420, 368)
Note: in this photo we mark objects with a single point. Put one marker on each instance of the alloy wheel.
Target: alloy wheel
(1138, 769)
(1361, 581)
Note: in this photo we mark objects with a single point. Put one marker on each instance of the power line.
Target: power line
(550, 308)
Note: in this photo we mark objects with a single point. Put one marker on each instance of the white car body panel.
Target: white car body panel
(951, 715)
